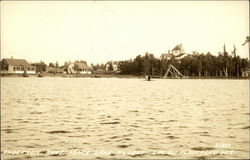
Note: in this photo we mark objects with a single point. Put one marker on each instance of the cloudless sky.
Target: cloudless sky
(99, 31)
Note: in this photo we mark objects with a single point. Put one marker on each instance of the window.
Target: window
(14, 68)
(22, 68)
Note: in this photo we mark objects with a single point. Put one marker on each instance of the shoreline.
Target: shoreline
(111, 76)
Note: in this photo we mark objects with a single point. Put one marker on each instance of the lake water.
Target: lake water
(69, 118)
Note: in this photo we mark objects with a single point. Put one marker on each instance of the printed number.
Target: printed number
(222, 145)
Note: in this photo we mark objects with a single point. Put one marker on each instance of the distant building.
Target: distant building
(80, 67)
(16, 66)
(167, 56)
(54, 69)
(115, 65)
(177, 52)
(99, 71)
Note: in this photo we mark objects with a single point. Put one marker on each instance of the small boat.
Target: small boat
(148, 78)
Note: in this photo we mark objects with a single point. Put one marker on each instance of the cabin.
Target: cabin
(81, 68)
(54, 70)
(16, 66)
(100, 71)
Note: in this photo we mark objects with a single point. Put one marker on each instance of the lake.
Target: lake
(69, 118)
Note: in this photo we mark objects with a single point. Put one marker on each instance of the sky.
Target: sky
(100, 31)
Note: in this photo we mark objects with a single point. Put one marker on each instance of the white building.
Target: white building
(16, 66)
(114, 64)
(80, 67)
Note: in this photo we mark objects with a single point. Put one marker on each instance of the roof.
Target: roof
(179, 55)
(100, 71)
(82, 66)
(178, 47)
(17, 62)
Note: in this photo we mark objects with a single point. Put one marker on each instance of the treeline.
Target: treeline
(194, 64)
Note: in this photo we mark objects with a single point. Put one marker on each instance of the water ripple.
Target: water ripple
(56, 132)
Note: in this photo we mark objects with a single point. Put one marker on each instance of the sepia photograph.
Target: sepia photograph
(124, 80)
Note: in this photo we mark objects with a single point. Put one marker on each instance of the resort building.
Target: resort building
(80, 68)
(16, 66)
(177, 52)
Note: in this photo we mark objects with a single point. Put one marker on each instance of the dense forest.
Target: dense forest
(195, 64)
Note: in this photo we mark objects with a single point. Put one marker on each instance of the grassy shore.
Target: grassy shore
(112, 76)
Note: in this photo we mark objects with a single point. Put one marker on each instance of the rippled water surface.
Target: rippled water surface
(111, 118)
